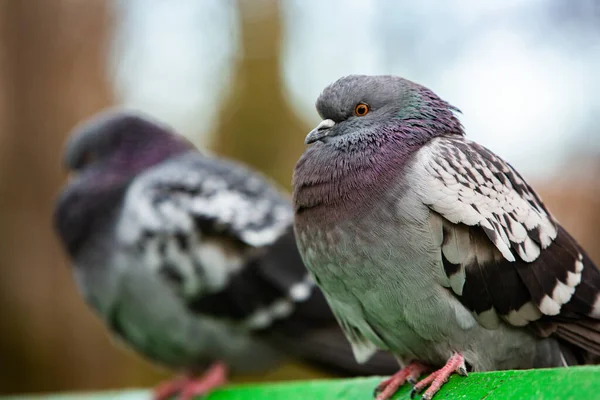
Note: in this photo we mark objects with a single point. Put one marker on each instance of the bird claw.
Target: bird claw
(382, 385)
(434, 382)
(187, 388)
(388, 387)
(414, 392)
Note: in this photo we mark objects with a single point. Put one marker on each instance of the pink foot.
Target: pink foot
(388, 387)
(456, 364)
(187, 387)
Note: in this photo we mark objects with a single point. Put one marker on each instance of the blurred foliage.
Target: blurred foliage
(52, 74)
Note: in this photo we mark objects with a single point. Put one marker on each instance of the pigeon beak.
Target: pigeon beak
(320, 132)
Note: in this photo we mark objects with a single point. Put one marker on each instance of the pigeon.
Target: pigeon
(189, 259)
(431, 247)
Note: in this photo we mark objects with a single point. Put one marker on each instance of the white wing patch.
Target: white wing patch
(519, 245)
(524, 315)
(169, 199)
(283, 307)
(225, 263)
(467, 184)
(184, 215)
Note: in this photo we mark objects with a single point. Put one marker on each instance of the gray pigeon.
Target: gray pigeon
(191, 260)
(430, 246)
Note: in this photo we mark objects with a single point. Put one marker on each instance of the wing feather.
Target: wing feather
(210, 228)
(503, 253)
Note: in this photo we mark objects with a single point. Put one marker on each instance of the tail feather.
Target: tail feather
(583, 334)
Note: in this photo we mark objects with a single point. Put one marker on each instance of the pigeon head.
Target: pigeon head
(120, 141)
(359, 107)
(371, 126)
(104, 154)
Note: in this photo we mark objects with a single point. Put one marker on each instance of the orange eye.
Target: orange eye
(361, 109)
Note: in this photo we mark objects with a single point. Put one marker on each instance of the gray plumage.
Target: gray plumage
(426, 243)
(190, 259)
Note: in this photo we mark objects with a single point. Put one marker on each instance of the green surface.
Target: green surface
(581, 383)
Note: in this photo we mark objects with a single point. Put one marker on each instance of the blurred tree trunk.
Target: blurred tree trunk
(52, 72)
(4, 78)
(257, 124)
(575, 203)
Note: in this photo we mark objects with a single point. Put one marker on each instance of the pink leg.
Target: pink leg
(168, 389)
(456, 364)
(188, 387)
(388, 387)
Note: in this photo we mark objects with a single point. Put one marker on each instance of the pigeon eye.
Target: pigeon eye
(87, 158)
(361, 109)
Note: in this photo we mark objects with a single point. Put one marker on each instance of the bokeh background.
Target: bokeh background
(240, 78)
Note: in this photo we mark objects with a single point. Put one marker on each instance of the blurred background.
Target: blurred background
(240, 78)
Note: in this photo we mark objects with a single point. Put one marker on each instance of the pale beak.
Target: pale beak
(321, 131)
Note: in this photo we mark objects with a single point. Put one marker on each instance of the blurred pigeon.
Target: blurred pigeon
(191, 260)
(428, 245)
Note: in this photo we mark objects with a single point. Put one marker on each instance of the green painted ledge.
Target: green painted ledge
(581, 383)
